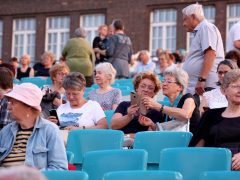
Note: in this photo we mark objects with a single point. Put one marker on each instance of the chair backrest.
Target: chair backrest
(70, 156)
(97, 163)
(154, 141)
(109, 114)
(40, 82)
(220, 175)
(81, 141)
(65, 175)
(143, 175)
(191, 162)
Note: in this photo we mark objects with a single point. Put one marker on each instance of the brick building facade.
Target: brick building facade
(137, 15)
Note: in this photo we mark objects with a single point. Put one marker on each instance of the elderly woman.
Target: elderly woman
(220, 127)
(215, 99)
(25, 70)
(144, 63)
(30, 140)
(79, 55)
(79, 113)
(126, 115)
(182, 106)
(42, 68)
(54, 95)
(162, 63)
(105, 95)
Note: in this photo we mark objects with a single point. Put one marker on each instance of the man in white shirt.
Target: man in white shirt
(233, 40)
(206, 50)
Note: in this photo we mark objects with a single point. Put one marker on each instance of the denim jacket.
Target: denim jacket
(45, 147)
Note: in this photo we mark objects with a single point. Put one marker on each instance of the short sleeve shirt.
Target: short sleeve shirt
(206, 35)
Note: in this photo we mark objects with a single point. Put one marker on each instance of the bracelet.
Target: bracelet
(161, 109)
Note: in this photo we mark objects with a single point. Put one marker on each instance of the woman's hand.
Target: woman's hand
(236, 162)
(150, 103)
(132, 110)
(145, 121)
(53, 119)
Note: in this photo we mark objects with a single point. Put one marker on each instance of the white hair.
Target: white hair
(196, 9)
(180, 75)
(107, 69)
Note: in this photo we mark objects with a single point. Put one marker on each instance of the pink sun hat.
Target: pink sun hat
(27, 93)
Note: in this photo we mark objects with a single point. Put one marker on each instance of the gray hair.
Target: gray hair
(145, 52)
(230, 77)
(21, 173)
(107, 69)
(180, 75)
(75, 81)
(196, 9)
(80, 32)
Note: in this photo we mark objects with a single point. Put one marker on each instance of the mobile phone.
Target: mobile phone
(53, 112)
(134, 98)
(142, 108)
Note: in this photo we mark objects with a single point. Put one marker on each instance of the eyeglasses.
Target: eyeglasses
(235, 86)
(62, 74)
(222, 72)
(150, 88)
(168, 81)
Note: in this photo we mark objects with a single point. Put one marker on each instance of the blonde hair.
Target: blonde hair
(27, 57)
(108, 69)
(56, 69)
(48, 54)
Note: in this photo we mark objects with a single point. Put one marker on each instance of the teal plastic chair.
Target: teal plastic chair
(65, 175)
(70, 157)
(49, 81)
(40, 82)
(16, 81)
(220, 175)
(81, 141)
(97, 163)
(154, 141)
(191, 162)
(109, 114)
(143, 175)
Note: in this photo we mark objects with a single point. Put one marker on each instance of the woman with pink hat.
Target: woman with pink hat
(30, 140)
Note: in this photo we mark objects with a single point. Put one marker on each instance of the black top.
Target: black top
(21, 74)
(40, 70)
(101, 44)
(134, 126)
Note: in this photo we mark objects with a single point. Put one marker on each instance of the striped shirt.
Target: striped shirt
(17, 155)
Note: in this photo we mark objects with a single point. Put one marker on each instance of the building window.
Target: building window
(24, 37)
(1, 33)
(210, 14)
(57, 34)
(163, 30)
(233, 15)
(91, 24)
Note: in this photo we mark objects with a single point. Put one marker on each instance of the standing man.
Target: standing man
(206, 50)
(233, 40)
(120, 50)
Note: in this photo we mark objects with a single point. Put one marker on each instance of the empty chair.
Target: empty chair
(81, 141)
(154, 141)
(97, 163)
(191, 162)
(109, 114)
(40, 82)
(220, 175)
(143, 175)
(65, 175)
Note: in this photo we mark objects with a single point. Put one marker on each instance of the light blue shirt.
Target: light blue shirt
(206, 35)
(150, 66)
(45, 147)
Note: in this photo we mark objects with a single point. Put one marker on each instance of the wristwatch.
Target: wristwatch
(200, 79)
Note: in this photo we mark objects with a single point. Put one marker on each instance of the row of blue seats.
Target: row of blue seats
(186, 163)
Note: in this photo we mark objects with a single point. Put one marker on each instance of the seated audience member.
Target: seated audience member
(14, 62)
(6, 85)
(144, 63)
(42, 68)
(215, 99)
(234, 56)
(126, 115)
(25, 70)
(107, 96)
(54, 95)
(182, 106)
(162, 63)
(79, 113)
(220, 127)
(21, 173)
(30, 140)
